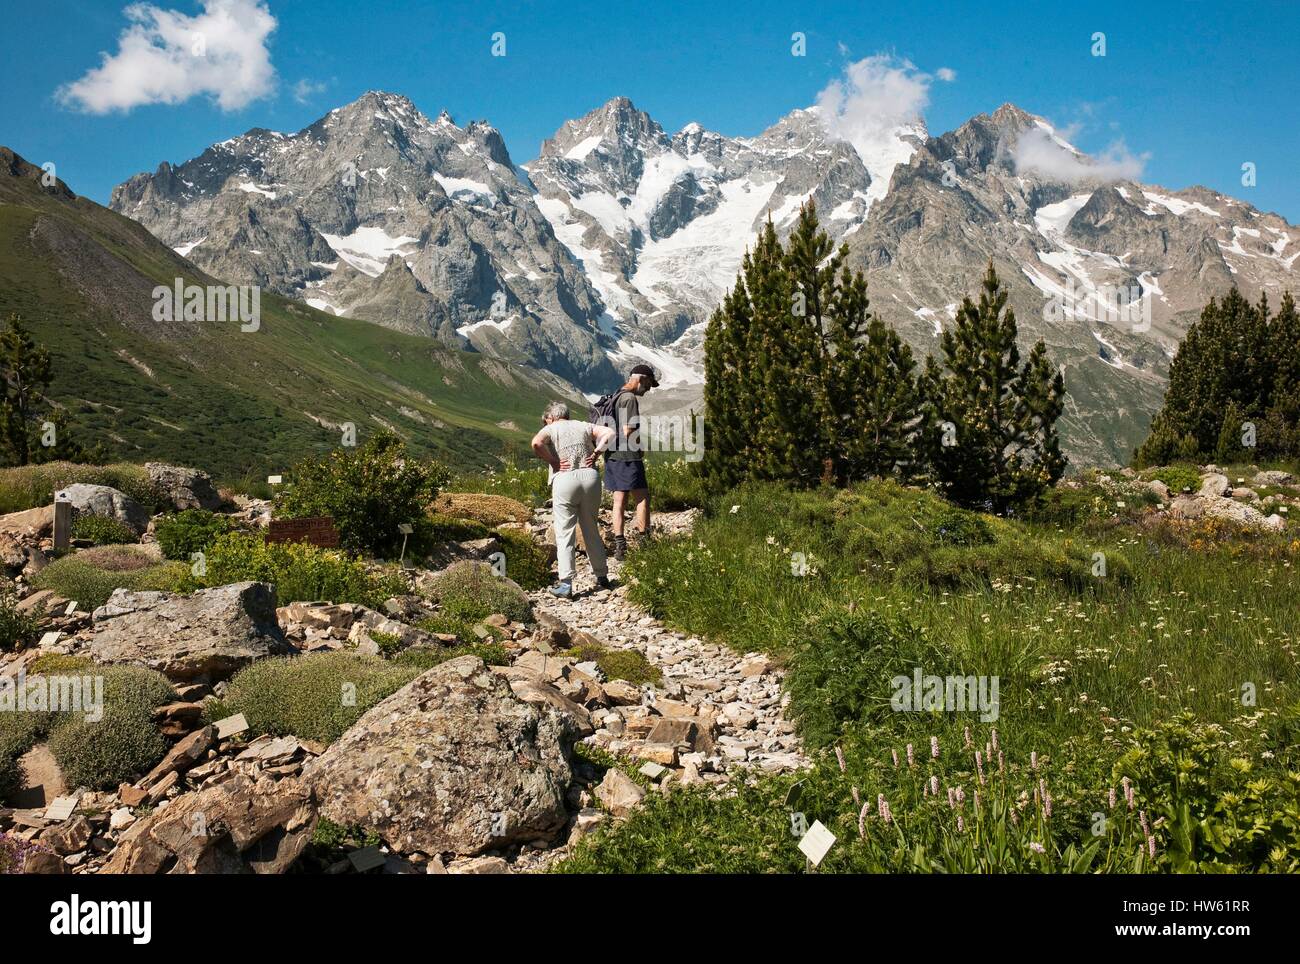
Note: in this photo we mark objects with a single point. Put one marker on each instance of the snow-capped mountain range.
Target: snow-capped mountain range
(617, 241)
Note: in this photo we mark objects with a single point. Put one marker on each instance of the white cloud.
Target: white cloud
(304, 90)
(875, 93)
(866, 108)
(946, 74)
(166, 57)
(1038, 151)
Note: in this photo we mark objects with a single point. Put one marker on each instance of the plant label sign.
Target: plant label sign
(816, 842)
(61, 808)
(230, 726)
(316, 531)
(367, 858)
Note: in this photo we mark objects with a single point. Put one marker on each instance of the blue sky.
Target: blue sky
(1190, 90)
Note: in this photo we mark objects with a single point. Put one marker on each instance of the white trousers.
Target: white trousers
(575, 497)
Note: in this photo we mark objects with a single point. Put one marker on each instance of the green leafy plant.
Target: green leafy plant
(625, 664)
(1179, 478)
(190, 531)
(527, 563)
(368, 491)
(425, 658)
(840, 673)
(103, 530)
(18, 630)
(91, 575)
(300, 572)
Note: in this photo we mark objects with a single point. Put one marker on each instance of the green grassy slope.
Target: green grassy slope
(207, 394)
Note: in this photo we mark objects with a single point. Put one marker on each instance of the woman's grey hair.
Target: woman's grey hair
(556, 410)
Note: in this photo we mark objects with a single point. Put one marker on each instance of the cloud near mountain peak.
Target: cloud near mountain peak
(167, 57)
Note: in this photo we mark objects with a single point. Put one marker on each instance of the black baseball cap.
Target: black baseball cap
(647, 372)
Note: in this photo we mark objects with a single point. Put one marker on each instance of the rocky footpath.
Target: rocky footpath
(469, 768)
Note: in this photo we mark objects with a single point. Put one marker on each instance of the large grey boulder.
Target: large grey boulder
(1214, 485)
(183, 488)
(205, 636)
(104, 500)
(1273, 477)
(454, 762)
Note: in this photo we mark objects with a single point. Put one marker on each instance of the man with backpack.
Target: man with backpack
(625, 462)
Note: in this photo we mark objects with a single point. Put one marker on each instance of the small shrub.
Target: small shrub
(470, 590)
(629, 665)
(304, 695)
(436, 529)
(368, 491)
(103, 530)
(18, 630)
(193, 530)
(1179, 478)
(300, 572)
(677, 485)
(48, 664)
(957, 527)
(390, 644)
(491, 510)
(125, 742)
(19, 732)
(527, 563)
(90, 576)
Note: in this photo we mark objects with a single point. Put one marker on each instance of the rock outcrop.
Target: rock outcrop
(205, 636)
(236, 827)
(454, 762)
(183, 488)
(104, 500)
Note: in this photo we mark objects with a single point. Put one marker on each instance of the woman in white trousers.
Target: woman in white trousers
(570, 448)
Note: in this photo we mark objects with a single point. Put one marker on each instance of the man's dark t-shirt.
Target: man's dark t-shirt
(628, 413)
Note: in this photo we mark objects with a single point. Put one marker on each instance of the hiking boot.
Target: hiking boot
(620, 548)
(562, 590)
(604, 582)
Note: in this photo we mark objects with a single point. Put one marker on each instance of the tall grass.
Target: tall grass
(1118, 641)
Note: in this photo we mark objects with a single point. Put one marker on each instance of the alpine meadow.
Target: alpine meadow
(776, 441)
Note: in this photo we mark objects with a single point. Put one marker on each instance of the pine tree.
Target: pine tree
(990, 432)
(802, 383)
(1234, 366)
(27, 373)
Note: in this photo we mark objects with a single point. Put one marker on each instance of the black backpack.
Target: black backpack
(603, 411)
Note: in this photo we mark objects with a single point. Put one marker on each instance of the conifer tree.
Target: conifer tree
(990, 430)
(802, 383)
(32, 428)
(1234, 366)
